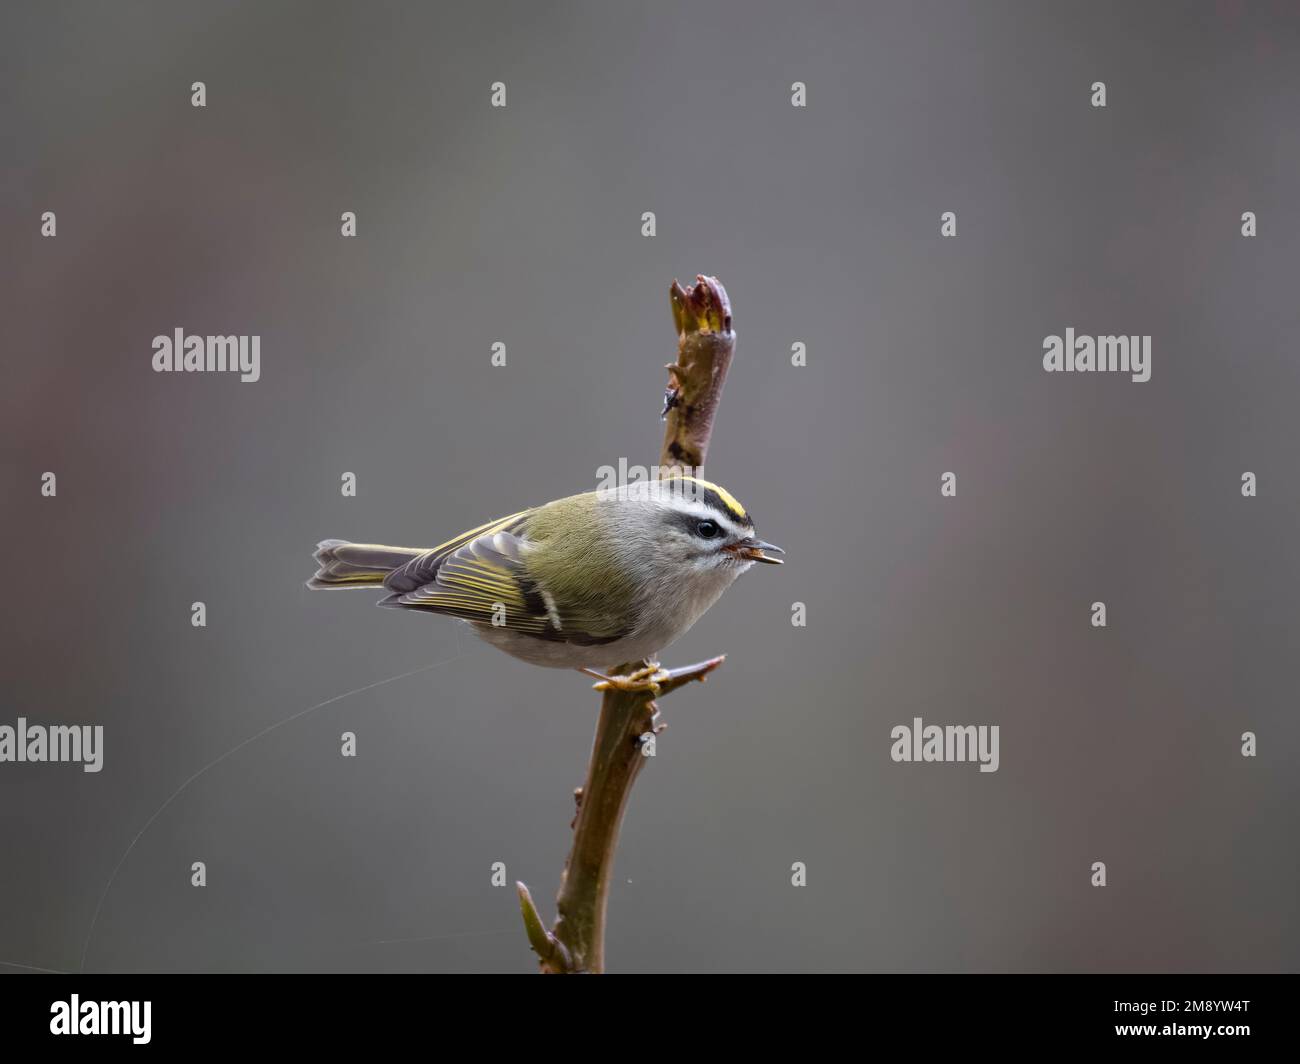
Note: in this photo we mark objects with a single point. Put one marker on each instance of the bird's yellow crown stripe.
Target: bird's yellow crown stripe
(729, 500)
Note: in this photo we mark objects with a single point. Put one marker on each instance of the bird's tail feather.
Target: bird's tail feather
(343, 564)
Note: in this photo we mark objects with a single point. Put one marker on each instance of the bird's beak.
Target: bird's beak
(755, 550)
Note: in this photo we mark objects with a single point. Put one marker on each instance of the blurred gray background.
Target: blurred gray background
(523, 225)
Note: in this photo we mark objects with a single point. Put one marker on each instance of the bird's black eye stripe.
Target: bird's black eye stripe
(699, 527)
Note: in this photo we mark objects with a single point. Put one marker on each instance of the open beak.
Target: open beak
(755, 550)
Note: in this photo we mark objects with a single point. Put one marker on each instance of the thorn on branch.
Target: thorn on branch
(548, 948)
(684, 674)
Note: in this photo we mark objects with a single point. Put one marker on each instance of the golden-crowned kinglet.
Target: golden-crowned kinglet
(584, 582)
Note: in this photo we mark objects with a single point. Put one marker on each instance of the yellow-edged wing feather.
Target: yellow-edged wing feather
(478, 576)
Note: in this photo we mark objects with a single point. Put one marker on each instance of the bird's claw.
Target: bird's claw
(642, 680)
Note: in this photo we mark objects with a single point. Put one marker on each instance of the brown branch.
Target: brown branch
(705, 342)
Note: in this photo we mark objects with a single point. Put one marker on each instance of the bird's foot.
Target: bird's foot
(644, 679)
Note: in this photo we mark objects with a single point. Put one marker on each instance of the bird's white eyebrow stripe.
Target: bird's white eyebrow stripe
(704, 510)
(667, 498)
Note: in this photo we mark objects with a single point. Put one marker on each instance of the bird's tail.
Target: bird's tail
(343, 564)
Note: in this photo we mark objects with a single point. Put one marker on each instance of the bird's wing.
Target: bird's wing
(423, 568)
(482, 576)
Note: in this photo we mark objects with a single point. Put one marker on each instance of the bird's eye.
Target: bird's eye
(707, 529)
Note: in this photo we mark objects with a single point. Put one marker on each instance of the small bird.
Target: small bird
(584, 582)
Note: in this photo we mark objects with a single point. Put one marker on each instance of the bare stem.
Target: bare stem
(705, 342)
